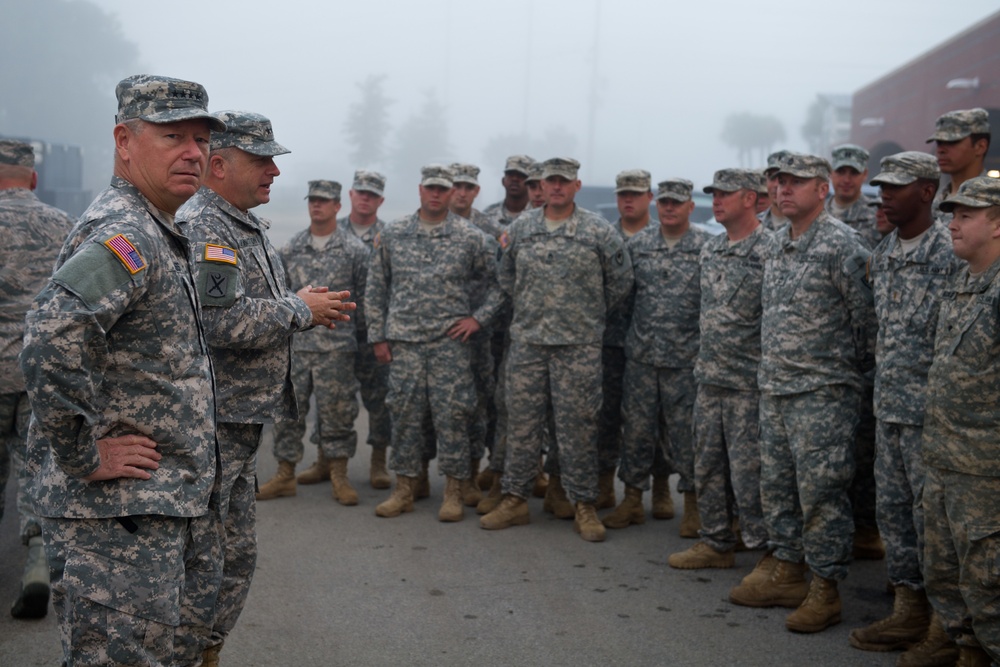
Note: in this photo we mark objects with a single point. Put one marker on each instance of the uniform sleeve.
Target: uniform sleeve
(858, 296)
(486, 266)
(377, 291)
(617, 265)
(506, 269)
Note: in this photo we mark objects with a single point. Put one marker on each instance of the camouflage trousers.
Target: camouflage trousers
(498, 451)
(899, 476)
(657, 413)
(862, 491)
(483, 375)
(807, 463)
(727, 466)
(570, 377)
(433, 377)
(117, 594)
(961, 573)
(374, 380)
(609, 421)
(329, 377)
(15, 413)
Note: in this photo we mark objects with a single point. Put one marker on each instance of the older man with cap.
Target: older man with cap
(564, 269)
(847, 203)
(249, 317)
(817, 337)
(121, 452)
(661, 346)
(515, 201)
(31, 234)
(432, 251)
(773, 218)
(727, 455)
(962, 140)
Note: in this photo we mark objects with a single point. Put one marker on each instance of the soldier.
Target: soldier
(121, 451)
(564, 269)
(660, 349)
(515, 201)
(882, 223)
(430, 252)
(323, 254)
(249, 316)
(847, 203)
(31, 234)
(962, 140)
(908, 271)
(960, 433)
(727, 455)
(773, 218)
(536, 194)
(763, 194)
(817, 336)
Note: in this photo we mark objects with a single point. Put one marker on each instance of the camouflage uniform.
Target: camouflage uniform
(859, 216)
(954, 126)
(609, 422)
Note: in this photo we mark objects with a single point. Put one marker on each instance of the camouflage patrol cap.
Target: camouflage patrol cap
(678, 189)
(731, 180)
(465, 173)
(160, 99)
(519, 163)
(906, 167)
(324, 190)
(633, 180)
(17, 153)
(566, 167)
(369, 181)
(534, 172)
(436, 174)
(248, 131)
(802, 165)
(849, 155)
(774, 161)
(960, 124)
(762, 185)
(979, 192)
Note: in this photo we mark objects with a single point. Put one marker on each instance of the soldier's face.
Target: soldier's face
(513, 183)
(165, 161)
(882, 223)
(800, 197)
(559, 191)
(955, 156)
(974, 236)
(847, 182)
(323, 211)
(248, 179)
(674, 215)
(772, 185)
(434, 199)
(536, 195)
(728, 206)
(902, 203)
(634, 206)
(364, 202)
(463, 195)
(763, 202)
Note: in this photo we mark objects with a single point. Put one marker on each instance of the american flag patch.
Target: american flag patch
(219, 253)
(126, 252)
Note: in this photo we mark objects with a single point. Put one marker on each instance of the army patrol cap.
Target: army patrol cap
(324, 190)
(566, 167)
(160, 99)
(520, 164)
(633, 180)
(534, 172)
(436, 174)
(731, 180)
(960, 124)
(801, 165)
(17, 153)
(369, 181)
(850, 155)
(762, 185)
(979, 192)
(248, 131)
(774, 161)
(678, 189)
(906, 167)
(465, 173)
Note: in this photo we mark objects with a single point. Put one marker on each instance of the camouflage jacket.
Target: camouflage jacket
(31, 234)
(418, 281)
(114, 346)
(860, 217)
(368, 239)
(768, 221)
(616, 326)
(249, 313)
(479, 289)
(563, 283)
(498, 215)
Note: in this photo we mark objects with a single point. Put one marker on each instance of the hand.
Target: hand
(125, 456)
(383, 354)
(327, 307)
(464, 328)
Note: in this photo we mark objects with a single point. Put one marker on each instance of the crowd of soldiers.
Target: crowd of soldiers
(821, 377)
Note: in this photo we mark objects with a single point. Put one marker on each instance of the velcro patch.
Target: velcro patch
(219, 253)
(126, 252)
(92, 273)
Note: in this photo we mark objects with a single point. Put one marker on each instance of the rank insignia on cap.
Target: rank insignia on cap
(219, 253)
(126, 252)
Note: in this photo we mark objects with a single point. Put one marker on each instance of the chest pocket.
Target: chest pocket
(976, 342)
(740, 292)
(264, 275)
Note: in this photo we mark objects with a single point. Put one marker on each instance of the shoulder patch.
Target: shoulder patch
(92, 273)
(217, 284)
(504, 239)
(620, 257)
(377, 241)
(126, 252)
(219, 253)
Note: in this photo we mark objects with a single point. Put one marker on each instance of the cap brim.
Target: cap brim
(674, 198)
(802, 174)
(179, 115)
(948, 136)
(437, 181)
(949, 204)
(630, 189)
(892, 179)
(265, 149)
(375, 192)
(462, 180)
(849, 163)
(516, 171)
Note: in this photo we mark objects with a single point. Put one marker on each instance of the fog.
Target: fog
(631, 84)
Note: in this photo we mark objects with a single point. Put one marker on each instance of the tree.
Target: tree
(422, 139)
(747, 132)
(367, 124)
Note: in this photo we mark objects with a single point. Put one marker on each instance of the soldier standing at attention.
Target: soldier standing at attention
(773, 218)
(847, 203)
(536, 194)
(515, 201)
(962, 140)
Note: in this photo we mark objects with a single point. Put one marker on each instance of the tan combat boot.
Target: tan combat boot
(210, 656)
(587, 524)
(556, 501)
(484, 480)
(400, 500)
(701, 556)
(937, 648)
(512, 511)
(868, 544)
(492, 499)
(318, 472)
(33, 600)
(451, 505)
(281, 485)
(691, 521)
(762, 571)
(903, 628)
(606, 490)
(342, 490)
(786, 586)
(973, 656)
(422, 489)
(663, 502)
(471, 495)
(819, 610)
(629, 512)
(541, 481)
(379, 476)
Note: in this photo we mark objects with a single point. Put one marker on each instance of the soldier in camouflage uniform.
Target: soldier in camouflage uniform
(250, 316)
(882, 223)
(426, 339)
(961, 141)
(323, 359)
(536, 194)
(31, 234)
(661, 347)
(763, 194)
(847, 203)
(817, 337)
(727, 455)
(961, 510)
(515, 201)
(773, 218)
(908, 271)
(564, 269)
(121, 451)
